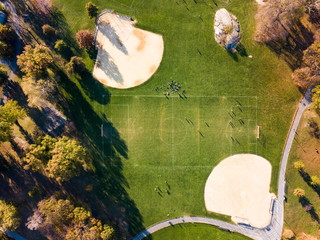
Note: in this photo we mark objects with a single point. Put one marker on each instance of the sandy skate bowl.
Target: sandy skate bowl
(239, 187)
(127, 56)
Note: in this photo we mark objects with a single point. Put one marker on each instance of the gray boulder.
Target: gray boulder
(227, 29)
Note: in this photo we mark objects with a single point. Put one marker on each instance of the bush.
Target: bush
(61, 46)
(7, 39)
(92, 10)
(34, 61)
(9, 220)
(48, 30)
(3, 76)
(85, 39)
(76, 65)
(287, 234)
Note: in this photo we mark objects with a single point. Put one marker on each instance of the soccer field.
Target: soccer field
(175, 131)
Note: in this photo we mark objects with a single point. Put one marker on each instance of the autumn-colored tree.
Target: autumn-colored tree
(68, 157)
(316, 98)
(39, 153)
(92, 10)
(3, 76)
(298, 165)
(299, 192)
(7, 34)
(275, 18)
(85, 39)
(91, 229)
(315, 181)
(309, 74)
(287, 234)
(9, 114)
(9, 220)
(56, 212)
(61, 158)
(74, 223)
(7, 38)
(76, 65)
(311, 58)
(34, 61)
(61, 46)
(48, 30)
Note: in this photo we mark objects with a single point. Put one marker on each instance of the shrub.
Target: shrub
(287, 234)
(34, 61)
(3, 76)
(85, 39)
(299, 192)
(92, 10)
(61, 46)
(48, 30)
(9, 220)
(76, 65)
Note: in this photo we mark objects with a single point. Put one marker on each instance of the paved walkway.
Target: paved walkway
(271, 232)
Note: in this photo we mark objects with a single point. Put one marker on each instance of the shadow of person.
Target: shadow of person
(242, 50)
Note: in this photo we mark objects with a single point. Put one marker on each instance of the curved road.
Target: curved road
(274, 229)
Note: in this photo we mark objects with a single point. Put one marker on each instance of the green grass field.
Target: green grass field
(297, 218)
(162, 145)
(195, 231)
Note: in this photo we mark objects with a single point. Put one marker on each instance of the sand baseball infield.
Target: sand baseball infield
(239, 187)
(127, 56)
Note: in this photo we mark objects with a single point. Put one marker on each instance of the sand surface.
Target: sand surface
(239, 187)
(127, 56)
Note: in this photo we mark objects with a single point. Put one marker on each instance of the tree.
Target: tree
(34, 61)
(3, 76)
(309, 74)
(311, 58)
(85, 39)
(56, 212)
(299, 192)
(39, 154)
(299, 165)
(76, 65)
(316, 98)
(67, 159)
(92, 10)
(7, 39)
(9, 220)
(74, 223)
(9, 114)
(61, 46)
(48, 30)
(315, 181)
(275, 19)
(287, 234)
(61, 158)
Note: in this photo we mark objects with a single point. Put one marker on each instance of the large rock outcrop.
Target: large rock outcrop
(227, 29)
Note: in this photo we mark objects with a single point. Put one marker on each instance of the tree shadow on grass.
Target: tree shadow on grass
(305, 203)
(93, 88)
(109, 198)
(306, 177)
(291, 49)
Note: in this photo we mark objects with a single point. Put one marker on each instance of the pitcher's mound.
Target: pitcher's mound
(239, 187)
(127, 56)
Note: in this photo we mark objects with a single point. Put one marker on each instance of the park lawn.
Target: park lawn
(296, 218)
(162, 145)
(195, 231)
